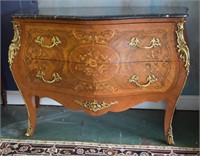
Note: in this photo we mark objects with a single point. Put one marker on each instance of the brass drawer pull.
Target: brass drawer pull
(135, 42)
(56, 77)
(150, 80)
(55, 42)
(95, 105)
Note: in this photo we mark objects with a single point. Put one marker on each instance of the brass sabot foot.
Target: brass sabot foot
(27, 134)
(170, 136)
(29, 131)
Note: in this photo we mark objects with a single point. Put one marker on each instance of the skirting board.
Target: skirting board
(185, 102)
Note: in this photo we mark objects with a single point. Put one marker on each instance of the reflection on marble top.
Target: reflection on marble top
(103, 13)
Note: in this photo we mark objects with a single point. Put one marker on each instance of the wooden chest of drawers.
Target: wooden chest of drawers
(100, 63)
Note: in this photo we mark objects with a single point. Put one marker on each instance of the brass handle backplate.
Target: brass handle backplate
(135, 42)
(55, 42)
(95, 105)
(56, 77)
(150, 80)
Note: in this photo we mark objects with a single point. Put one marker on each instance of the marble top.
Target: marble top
(102, 13)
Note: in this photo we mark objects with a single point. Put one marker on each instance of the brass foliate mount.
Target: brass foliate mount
(95, 105)
(183, 49)
(15, 45)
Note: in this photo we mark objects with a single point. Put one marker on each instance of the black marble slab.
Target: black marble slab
(103, 13)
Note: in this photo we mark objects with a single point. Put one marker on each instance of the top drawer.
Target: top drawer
(126, 42)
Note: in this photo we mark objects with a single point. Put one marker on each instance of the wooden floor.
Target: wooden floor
(129, 127)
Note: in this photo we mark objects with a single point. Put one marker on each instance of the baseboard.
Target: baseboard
(185, 102)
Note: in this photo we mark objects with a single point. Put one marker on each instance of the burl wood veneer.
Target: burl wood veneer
(100, 65)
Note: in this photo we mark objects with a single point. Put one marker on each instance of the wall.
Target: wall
(192, 85)
(7, 9)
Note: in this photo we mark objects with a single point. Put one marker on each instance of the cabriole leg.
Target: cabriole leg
(169, 112)
(31, 109)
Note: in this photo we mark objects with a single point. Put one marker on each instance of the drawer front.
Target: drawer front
(100, 60)
(115, 80)
(47, 43)
(118, 43)
(45, 72)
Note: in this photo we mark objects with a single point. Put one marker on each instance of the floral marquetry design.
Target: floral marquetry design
(99, 87)
(97, 63)
(93, 37)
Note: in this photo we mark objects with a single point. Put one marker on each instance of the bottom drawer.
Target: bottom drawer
(126, 79)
